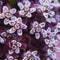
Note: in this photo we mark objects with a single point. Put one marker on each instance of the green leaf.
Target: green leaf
(59, 0)
(12, 3)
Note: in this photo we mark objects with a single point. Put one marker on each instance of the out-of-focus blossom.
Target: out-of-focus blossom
(10, 58)
(14, 47)
(31, 56)
(26, 9)
(17, 25)
(51, 42)
(36, 29)
(51, 54)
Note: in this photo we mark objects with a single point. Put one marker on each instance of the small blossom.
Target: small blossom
(36, 28)
(18, 25)
(49, 33)
(25, 9)
(51, 54)
(15, 47)
(10, 58)
(7, 13)
(31, 56)
(51, 42)
(49, 16)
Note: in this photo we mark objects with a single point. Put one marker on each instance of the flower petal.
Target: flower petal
(27, 4)
(1, 16)
(6, 21)
(21, 6)
(17, 51)
(23, 26)
(21, 12)
(45, 15)
(37, 35)
(5, 9)
(42, 24)
(19, 32)
(35, 24)
(29, 15)
(19, 44)
(32, 31)
(13, 11)
(32, 10)
(11, 30)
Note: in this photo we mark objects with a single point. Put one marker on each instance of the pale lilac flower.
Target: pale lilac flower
(49, 33)
(25, 9)
(15, 47)
(31, 55)
(18, 25)
(51, 54)
(51, 42)
(49, 16)
(36, 29)
(7, 13)
(9, 57)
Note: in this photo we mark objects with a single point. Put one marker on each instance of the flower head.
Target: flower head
(31, 56)
(26, 9)
(36, 28)
(14, 47)
(18, 25)
(7, 13)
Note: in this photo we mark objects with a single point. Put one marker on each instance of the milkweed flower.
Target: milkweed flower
(7, 13)
(36, 29)
(9, 57)
(31, 55)
(14, 47)
(26, 9)
(17, 25)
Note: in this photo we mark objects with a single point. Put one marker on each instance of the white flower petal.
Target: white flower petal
(17, 51)
(56, 49)
(21, 12)
(32, 10)
(53, 20)
(1, 40)
(5, 9)
(47, 41)
(37, 58)
(49, 20)
(21, 6)
(1, 16)
(27, 4)
(19, 32)
(41, 1)
(58, 25)
(42, 24)
(19, 44)
(45, 15)
(19, 20)
(58, 36)
(6, 21)
(35, 24)
(12, 23)
(48, 30)
(14, 18)
(10, 51)
(13, 11)
(29, 15)
(37, 35)
(11, 30)
(34, 53)
(51, 13)
(23, 26)
(44, 33)
(32, 31)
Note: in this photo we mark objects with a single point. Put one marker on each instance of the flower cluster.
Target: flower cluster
(22, 25)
